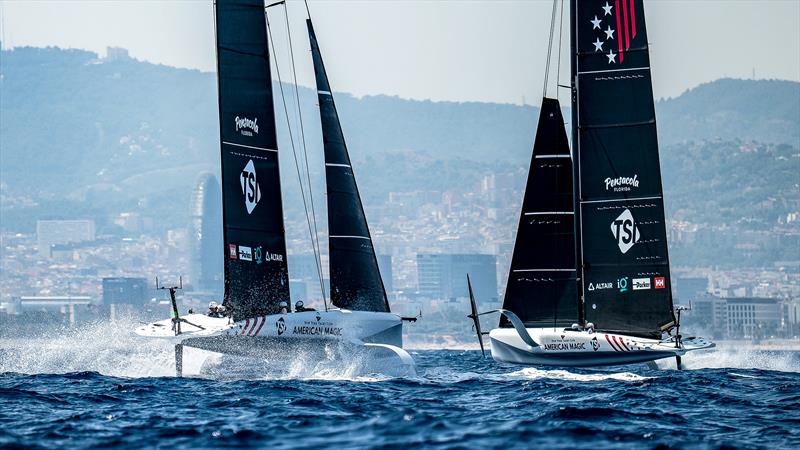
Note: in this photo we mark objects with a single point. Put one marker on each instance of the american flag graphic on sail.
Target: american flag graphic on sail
(615, 28)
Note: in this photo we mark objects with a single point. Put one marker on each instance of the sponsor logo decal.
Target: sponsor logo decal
(660, 282)
(281, 325)
(600, 286)
(232, 251)
(245, 126)
(622, 284)
(622, 184)
(595, 344)
(245, 253)
(625, 231)
(250, 188)
(317, 329)
(257, 254)
(641, 283)
(568, 344)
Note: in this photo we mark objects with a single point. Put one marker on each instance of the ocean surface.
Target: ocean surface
(98, 389)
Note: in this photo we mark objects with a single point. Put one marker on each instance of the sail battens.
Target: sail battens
(630, 199)
(631, 69)
(549, 213)
(617, 125)
(544, 270)
(356, 282)
(350, 237)
(551, 156)
(250, 146)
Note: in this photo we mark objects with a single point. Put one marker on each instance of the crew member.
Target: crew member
(300, 307)
(284, 307)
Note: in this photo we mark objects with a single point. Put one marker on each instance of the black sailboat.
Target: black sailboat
(356, 282)
(589, 281)
(256, 318)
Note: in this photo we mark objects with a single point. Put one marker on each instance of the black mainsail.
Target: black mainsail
(541, 287)
(356, 282)
(622, 242)
(256, 275)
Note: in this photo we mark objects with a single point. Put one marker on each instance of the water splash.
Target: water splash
(740, 357)
(109, 348)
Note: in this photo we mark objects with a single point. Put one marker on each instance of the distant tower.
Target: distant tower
(207, 252)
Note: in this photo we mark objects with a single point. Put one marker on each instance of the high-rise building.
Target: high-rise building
(385, 266)
(206, 242)
(122, 290)
(53, 232)
(444, 276)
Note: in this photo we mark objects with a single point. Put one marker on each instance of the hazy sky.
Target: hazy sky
(440, 50)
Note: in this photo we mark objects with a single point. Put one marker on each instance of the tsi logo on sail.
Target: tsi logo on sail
(625, 231)
(250, 187)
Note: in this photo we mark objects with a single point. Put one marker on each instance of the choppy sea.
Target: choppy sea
(95, 388)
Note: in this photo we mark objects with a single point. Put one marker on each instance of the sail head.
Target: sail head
(541, 287)
(624, 260)
(355, 280)
(256, 274)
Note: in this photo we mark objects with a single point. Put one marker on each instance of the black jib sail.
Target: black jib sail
(622, 242)
(256, 276)
(541, 287)
(355, 279)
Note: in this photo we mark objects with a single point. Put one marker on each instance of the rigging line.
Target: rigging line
(294, 151)
(308, 11)
(549, 47)
(315, 238)
(560, 36)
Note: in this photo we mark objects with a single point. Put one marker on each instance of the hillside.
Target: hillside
(82, 136)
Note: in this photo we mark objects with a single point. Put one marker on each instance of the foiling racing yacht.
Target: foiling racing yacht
(258, 320)
(589, 283)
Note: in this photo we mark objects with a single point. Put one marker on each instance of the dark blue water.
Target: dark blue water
(458, 400)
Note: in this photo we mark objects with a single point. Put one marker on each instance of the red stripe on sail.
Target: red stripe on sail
(261, 326)
(625, 21)
(633, 20)
(619, 41)
(611, 343)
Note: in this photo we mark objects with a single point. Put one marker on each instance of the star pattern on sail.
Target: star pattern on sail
(619, 29)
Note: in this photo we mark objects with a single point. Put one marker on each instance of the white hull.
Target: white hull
(278, 338)
(573, 348)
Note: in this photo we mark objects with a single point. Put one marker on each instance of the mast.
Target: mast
(576, 164)
(256, 273)
(356, 282)
(621, 232)
(541, 282)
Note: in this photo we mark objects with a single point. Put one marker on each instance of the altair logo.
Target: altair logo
(622, 184)
(250, 188)
(245, 126)
(625, 231)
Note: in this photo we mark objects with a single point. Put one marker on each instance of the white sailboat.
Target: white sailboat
(256, 318)
(589, 283)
